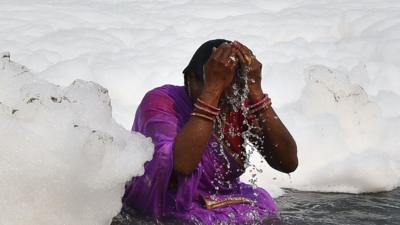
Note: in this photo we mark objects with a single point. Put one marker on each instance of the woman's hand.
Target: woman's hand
(249, 61)
(219, 71)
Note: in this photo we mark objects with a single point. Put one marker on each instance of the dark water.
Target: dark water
(333, 208)
(299, 208)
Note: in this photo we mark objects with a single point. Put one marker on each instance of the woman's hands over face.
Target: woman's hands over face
(219, 71)
(247, 59)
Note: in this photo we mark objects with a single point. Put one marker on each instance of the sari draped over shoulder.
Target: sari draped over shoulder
(204, 196)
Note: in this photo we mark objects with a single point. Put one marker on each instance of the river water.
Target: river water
(297, 208)
(337, 208)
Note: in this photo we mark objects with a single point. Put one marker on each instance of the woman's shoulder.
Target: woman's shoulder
(167, 90)
(165, 96)
(168, 102)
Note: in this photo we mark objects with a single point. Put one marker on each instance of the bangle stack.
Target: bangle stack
(209, 112)
(262, 104)
(205, 110)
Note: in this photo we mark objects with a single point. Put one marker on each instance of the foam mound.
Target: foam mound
(345, 142)
(63, 160)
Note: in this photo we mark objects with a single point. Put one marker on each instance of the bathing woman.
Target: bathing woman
(199, 146)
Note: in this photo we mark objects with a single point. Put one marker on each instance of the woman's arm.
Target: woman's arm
(192, 139)
(277, 146)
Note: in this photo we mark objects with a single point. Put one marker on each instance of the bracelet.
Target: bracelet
(205, 110)
(262, 101)
(208, 105)
(261, 107)
(202, 116)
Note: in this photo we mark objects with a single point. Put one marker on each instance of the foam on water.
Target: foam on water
(63, 158)
(330, 67)
(345, 143)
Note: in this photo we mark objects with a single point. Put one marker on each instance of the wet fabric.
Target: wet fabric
(211, 194)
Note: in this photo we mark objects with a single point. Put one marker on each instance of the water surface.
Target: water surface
(337, 208)
(298, 208)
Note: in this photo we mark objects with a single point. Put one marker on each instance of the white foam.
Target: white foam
(63, 158)
(345, 143)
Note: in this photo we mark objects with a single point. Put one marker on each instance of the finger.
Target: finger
(240, 56)
(233, 58)
(220, 50)
(226, 54)
(213, 53)
(246, 54)
(244, 47)
(214, 49)
(246, 58)
(237, 45)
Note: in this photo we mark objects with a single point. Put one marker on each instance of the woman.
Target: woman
(199, 154)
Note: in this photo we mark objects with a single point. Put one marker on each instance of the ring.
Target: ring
(232, 58)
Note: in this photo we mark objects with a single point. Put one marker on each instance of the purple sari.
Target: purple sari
(203, 196)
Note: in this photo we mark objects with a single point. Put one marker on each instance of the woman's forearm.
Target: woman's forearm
(193, 137)
(277, 146)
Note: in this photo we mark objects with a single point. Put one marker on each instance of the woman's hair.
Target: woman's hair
(200, 58)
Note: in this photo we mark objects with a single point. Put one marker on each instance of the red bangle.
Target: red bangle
(261, 107)
(262, 101)
(208, 105)
(202, 116)
(205, 110)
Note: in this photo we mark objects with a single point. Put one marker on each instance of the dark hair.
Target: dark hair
(200, 58)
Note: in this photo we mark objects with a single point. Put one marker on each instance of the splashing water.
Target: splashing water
(236, 102)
